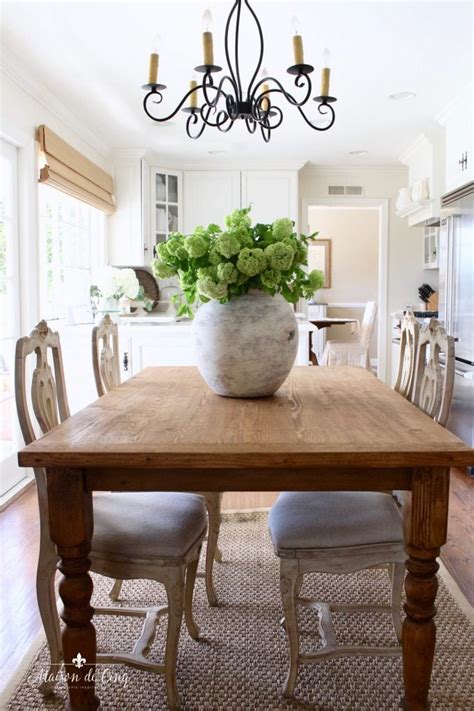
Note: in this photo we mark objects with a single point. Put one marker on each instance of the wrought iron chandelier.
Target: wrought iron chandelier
(226, 101)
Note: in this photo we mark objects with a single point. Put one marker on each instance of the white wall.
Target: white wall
(23, 108)
(405, 271)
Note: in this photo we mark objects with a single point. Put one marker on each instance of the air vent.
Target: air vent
(345, 190)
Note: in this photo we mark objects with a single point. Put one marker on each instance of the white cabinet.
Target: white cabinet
(458, 122)
(166, 204)
(430, 246)
(271, 193)
(209, 195)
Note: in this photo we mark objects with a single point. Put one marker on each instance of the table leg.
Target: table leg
(313, 358)
(425, 520)
(71, 525)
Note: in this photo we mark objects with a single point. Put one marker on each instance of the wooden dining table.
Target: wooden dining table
(325, 322)
(326, 429)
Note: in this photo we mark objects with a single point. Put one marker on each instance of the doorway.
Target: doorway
(357, 229)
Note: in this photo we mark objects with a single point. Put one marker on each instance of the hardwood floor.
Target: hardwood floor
(19, 533)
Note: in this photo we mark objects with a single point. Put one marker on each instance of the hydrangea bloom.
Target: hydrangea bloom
(251, 261)
(175, 246)
(270, 278)
(227, 244)
(227, 273)
(195, 245)
(162, 270)
(281, 228)
(315, 280)
(238, 218)
(211, 289)
(280, 256)
(116, 283)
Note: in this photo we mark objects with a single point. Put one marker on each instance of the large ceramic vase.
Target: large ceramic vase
(246, 348)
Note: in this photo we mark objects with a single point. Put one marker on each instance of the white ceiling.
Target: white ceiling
(94, 57)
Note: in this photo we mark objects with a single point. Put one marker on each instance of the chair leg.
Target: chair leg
(213, 504)
(114, 592)
(288, 587)
(174, 585)
(218, 555)
(46, 595)
(397, 577)
(193, 629)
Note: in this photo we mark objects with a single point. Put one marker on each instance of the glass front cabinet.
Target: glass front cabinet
(166, 204)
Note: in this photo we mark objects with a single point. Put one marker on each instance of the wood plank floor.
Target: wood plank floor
(19, 534)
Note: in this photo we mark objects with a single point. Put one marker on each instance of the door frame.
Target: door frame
(380, 204)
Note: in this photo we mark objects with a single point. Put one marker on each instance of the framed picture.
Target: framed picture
(319, 257)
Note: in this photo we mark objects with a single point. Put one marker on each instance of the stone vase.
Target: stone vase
(246, 348)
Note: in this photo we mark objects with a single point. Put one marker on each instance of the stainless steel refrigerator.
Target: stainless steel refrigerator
(456, 301)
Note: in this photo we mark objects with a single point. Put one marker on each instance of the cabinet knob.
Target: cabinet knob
(125, 361)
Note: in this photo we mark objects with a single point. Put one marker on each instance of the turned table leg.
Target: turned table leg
(425, 520)
(71, 525)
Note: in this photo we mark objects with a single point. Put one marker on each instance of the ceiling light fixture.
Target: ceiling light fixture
(223, 103)
(358, 153)
(402, 96)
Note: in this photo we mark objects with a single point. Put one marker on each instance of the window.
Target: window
(11, 475)
(72, 250)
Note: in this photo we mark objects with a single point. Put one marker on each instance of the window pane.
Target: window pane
(160, 187)
(172, 218)
(161, 221)
(172, 188)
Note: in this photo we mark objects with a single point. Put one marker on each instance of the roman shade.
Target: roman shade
(69, 171)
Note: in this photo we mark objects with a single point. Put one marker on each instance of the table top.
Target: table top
(328, 320)
(167, 417)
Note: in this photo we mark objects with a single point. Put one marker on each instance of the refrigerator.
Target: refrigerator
(456, 302)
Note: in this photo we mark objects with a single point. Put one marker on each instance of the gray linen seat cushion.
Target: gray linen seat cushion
(339, 519)
(147, 525)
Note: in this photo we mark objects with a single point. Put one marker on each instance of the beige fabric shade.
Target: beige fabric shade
(69, 171)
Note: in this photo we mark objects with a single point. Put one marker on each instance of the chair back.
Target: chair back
(410, 331)
(105, 355)
(49, 405)
(434, 378)
(368, 322)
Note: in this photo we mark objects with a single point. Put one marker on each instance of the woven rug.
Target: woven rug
(242, 659)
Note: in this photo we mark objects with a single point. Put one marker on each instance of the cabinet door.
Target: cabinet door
(209, 195)
(166, 204)
(271, 194)
(459, 146)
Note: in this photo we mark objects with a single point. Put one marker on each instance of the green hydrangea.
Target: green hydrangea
(270, 278)
(315, 280)
(163, 252)
(196, 245)
(243, 234)
(281, 228)
(251, 261)
(213, 290)
(207, 272)
(215, 257)
(238, 218)
(162, 270)
(227, 244)
(175, 246)
(227, 273)
(279, 256)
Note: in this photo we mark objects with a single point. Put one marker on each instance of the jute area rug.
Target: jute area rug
(242, 659)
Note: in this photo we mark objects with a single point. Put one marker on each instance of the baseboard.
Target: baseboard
(11, 682)
(456, 592)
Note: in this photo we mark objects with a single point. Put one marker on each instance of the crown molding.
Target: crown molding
(325, 169)
(236, 164)
(13, 68)
(421, 142)
(444, 115)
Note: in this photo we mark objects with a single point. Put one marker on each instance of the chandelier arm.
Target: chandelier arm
(220, 92)
(266, 133)
(265, 117)
(281, 89)
(206, 111)
(226, 41)
(260, 58)
(251, 125)
(160, 95)
(192, 120)
(236, 50)
(323, 113)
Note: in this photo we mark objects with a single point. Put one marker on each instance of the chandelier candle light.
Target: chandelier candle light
(225, 101)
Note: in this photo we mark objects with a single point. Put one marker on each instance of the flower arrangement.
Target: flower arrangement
(120, 285)
(221, 264)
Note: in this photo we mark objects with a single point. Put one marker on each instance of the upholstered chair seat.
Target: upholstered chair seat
(301, 521)
(155, 525)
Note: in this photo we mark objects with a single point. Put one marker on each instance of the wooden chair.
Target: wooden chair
(152, 536)
(106, 365)
(409, 335)
(342, 532)
(340, 352)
